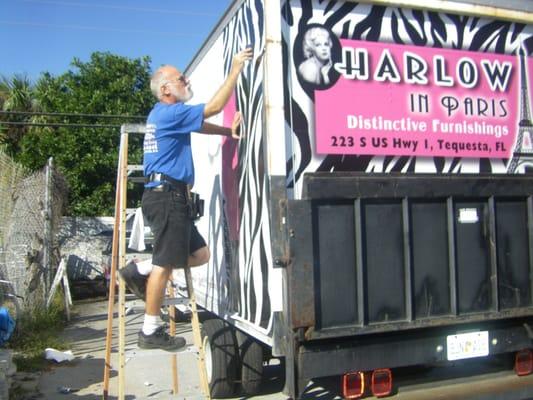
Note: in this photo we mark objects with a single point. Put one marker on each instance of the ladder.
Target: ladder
(118, 260)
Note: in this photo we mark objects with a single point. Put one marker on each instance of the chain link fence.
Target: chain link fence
(30, 213)
(10, 174)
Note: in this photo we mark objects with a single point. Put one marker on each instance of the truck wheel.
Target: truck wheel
(251, 356)
(220, 357)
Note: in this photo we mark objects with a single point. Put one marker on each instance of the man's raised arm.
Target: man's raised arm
(221, 97)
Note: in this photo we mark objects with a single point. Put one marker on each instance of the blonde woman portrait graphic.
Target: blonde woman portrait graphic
(317, 46)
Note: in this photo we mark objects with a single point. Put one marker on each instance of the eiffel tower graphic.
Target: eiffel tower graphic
(523, 148)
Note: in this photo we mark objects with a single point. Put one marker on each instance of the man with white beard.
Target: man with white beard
(169, 173)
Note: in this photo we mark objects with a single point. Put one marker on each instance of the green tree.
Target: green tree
(107, 84)
(16, 94)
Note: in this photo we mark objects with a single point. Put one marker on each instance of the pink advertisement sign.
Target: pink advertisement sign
(418, 101)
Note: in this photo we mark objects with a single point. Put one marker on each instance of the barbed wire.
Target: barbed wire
(67, 115)
(57, 125)
(80, 115)
(98, 28)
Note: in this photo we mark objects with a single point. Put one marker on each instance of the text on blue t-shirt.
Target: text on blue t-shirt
(167, 142)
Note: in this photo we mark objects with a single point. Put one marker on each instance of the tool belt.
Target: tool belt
(168, 184)
(197, 205)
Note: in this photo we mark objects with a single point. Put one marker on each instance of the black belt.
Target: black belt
(164, 187)
(167, 183)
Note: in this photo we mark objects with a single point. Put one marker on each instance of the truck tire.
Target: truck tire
(251, 356)
(220, 357)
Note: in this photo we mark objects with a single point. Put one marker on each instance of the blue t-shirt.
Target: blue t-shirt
(167, 142)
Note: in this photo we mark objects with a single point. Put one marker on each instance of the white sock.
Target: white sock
(144, 267)
(151, 323)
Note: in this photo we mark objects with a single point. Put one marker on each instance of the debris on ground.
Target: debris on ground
(57, 355)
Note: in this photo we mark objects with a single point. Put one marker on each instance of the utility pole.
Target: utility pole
(47, 213)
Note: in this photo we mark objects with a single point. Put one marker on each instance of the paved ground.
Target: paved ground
(147, 372)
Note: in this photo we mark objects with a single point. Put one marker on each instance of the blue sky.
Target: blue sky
(45, 35)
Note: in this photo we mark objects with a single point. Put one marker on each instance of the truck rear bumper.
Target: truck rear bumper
(465, 383)
(399, 349)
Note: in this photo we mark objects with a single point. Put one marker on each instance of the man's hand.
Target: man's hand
(240, 58)
(221, 97)
(236, 126)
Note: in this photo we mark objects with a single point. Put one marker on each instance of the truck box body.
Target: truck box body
(379, 208)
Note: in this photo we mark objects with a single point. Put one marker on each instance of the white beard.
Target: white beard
(183, 99)
(189, 95)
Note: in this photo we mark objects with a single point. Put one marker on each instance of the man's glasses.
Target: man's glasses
(182, 78)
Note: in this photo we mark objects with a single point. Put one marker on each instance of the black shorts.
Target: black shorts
(168, 215)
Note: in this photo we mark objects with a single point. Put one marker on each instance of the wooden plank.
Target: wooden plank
(66, 291)
(112, 276)
(173, 357)
(195, 323)
(57, 279)
(121, 264)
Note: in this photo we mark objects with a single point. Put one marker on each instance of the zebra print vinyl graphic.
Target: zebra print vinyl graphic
(247, 235)
(357, 21)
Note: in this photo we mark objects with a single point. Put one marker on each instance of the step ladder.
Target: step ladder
(118, 260)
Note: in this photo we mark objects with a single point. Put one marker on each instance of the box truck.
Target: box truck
(378, 212)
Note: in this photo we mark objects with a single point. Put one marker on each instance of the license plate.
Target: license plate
(468, 345)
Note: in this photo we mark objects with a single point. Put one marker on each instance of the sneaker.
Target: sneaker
(135, 282)
(160, 340)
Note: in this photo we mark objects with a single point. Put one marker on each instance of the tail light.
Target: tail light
(353, 385)
(523, 363)
(381, 382)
